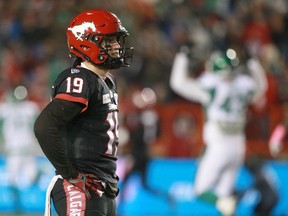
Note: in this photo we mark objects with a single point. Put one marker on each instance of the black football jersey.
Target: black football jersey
(92, 137)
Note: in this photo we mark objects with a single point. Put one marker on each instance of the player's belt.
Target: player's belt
(231, 127)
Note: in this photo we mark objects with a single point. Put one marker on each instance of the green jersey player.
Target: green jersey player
(225, 93)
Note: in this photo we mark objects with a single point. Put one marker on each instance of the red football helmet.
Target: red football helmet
(87, 33)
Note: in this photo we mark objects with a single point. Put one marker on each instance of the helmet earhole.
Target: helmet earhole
(95, 38)
(100, 57)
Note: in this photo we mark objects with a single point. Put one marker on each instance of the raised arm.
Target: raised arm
(258, 74)
(182, 84)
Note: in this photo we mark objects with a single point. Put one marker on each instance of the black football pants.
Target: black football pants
(68, 201)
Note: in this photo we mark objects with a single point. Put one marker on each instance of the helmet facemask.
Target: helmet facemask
(113, 56)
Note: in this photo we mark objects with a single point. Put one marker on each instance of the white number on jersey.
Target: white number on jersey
(74, 85)
(113, 133)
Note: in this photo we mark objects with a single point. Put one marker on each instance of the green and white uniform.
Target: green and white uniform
(225, 101)
(20, 145)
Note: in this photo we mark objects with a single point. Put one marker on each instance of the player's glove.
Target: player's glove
(187, 48)
(196, 62)
(86, 182)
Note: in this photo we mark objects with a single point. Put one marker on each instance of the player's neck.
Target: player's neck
(100, 72)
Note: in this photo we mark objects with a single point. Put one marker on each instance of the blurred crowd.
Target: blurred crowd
(33, 51)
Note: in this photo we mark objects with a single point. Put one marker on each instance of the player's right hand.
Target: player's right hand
(80, 183)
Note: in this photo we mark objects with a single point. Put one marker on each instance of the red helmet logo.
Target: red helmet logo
(80, 30)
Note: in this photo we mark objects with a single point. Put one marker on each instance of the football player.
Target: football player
(78, 129)
(17, 115)
(225, 94)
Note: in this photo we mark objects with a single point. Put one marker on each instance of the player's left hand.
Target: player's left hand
(84, 182)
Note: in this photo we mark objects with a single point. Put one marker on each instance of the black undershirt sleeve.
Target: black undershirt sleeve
(49, 129)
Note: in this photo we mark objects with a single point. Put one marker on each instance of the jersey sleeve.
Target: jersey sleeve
(249, 87)
(73, 85)
(49, 129)
(184, 85)
(258, 74)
